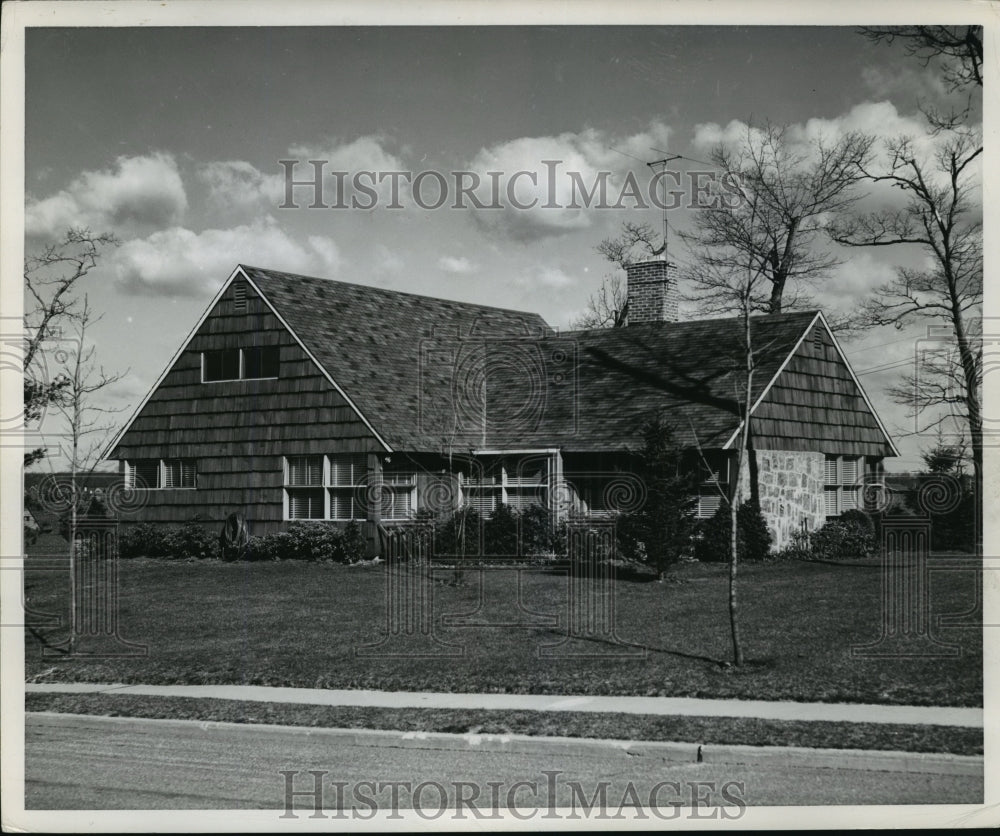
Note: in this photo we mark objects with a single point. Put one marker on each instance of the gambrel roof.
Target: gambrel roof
(428, 374)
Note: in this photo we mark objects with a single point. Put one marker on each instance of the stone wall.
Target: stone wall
(791, 491)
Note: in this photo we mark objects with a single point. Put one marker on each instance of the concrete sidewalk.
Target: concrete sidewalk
(662, 706)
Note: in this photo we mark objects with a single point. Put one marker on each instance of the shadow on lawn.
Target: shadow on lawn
(680, 654)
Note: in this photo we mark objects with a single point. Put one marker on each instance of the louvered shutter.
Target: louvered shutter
(830, 470)
(708, 504)
(848, 471)
(831, 502)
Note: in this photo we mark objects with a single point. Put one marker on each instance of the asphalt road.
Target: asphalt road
(100, 763)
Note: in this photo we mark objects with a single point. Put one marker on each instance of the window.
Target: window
(337, 488)
(398, 495)
(304, 488)
(240, 364)
(519, 489)
(160, 473)
(220, 365)
(713, 485)
(260, 362)
(347, 485)
(842, 479)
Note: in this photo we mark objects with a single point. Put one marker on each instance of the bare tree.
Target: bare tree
(607, 308)
(81, 378)
(728, 286)
(941, 217)
(796, 190)
(50, 280)
(960, 49)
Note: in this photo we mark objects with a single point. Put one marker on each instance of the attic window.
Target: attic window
(258, 363)
(152, 474)
(240, 297)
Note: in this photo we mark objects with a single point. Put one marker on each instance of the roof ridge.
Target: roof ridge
(392, 291)
(811, 313)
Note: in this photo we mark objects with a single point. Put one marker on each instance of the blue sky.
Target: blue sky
(171, 138)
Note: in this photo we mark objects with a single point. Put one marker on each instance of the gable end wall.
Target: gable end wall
(239, 431)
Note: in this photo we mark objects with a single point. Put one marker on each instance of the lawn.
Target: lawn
(302, 624)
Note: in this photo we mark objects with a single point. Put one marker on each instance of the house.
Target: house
(305, 398)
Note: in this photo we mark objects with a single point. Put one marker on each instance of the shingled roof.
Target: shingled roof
(688, 373)
(436, 375)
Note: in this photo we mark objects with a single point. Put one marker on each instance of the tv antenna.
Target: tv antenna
(662, 163)
(663, 203)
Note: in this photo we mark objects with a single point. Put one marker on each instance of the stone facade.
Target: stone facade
(791, 488)
(652, 292)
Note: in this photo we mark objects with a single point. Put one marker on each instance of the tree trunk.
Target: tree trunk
(741, 452)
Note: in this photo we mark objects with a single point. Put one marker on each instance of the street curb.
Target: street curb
(855, 759)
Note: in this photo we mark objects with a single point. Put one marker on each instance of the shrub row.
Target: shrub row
(190, 540)
(300, 541)
(507, 533)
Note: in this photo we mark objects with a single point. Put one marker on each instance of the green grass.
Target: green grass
(702, 730)
(299, 624)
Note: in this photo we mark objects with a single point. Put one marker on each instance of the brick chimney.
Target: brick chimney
(652, 292)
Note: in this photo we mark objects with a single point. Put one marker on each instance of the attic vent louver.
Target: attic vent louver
(240, 297)
(817, 341)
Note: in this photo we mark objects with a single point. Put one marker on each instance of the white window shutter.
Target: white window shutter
(848, 470)
(831, 502)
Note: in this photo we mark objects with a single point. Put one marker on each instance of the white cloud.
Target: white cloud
(852, 282)
(139, 194)
(577, 161)
(178, 261)
(366, 153)
(386, 261)
(460, 266)
(239, 186)
(546, 278)
(880, 120)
